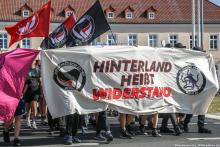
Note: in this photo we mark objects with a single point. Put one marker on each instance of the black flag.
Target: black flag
(90, 26)
(58, 37)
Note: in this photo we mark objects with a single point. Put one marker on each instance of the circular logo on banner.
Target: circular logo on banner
(58, 37)
(84, 29)
(69, 76)
(2, 61)
(28, 26)
(191, 80)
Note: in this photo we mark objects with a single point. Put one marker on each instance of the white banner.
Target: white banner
(135, 80)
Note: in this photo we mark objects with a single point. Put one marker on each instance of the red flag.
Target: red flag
(37, 25)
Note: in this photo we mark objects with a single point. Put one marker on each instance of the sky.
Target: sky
(215, 1)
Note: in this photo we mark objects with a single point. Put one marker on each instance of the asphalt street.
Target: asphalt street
(41, 137)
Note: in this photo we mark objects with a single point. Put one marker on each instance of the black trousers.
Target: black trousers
(82, 121)
(166, 117)
(57, 122)
(72, 122)
(102, 122)
(200, 123)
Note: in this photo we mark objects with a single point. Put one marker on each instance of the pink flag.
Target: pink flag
(14, 67)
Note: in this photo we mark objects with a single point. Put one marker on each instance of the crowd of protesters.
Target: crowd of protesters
(69, 125)
(33, 105)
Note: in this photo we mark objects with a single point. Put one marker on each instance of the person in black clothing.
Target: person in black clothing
(164, 128)
(201, 123)
(56, 124)
(83, 123)
(102, 123)
(32, 93)
(72, 122)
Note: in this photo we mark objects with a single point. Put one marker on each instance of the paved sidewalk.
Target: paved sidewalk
(213, 116)
(42, 138)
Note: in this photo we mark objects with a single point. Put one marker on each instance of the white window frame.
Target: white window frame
(110, 39)
(4, 41)
(25, 13)
(132, 40)
(110, 14)
(68, 13)
(25, 44)
(177, 39)
(155, 42)
(129, 15)
(190, 40)
(213, 49)
(151, 15)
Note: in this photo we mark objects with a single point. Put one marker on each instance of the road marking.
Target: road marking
(208, 138)
(212, 116)
(78, 144)
(189, 124)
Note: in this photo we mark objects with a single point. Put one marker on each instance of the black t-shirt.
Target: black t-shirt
(33, 83)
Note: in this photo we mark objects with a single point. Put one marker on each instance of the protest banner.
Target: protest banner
(134, 80)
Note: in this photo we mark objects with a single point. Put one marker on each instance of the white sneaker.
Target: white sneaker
(34, 125)
(28, 123)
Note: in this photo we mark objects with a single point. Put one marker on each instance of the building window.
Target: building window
(152, 40)
(25, 13)
(213, 42)
(68, 13)
(111, 39)
(26, 43)
(4, 41)
(132, 39)
(190, 42)
(173, 39)
(129, 15)
(110, 14)
(151, 15)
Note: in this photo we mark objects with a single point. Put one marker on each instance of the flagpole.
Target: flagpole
(193, 24)
(199, 23)
(113, 36)
(202, 23)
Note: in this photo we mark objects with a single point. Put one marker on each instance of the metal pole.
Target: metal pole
(202, 23)
(193, 23)
(199, 24)
(113, 37)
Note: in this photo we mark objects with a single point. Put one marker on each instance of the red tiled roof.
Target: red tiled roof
(167, 11)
